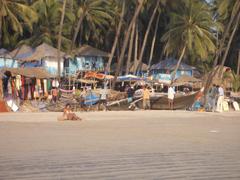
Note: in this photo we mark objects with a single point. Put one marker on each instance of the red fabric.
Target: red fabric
(3, 107)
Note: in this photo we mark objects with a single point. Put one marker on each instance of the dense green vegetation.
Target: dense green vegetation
(203, 33)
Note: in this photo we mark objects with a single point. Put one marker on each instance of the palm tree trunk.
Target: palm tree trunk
(116, 37)
(130, 49)
(126, 39)
(219, 52)
(225, 35)
(153, 42)
(1, 31)
(80, 20)
(146, 36)
(238, 66)
(229, 44)
(60, 37)
(178, 64)
(136, 48)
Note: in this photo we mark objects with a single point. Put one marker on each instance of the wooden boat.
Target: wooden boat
(181, 101)
(159, 102)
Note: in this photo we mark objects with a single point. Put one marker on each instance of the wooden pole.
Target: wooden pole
(238, 65)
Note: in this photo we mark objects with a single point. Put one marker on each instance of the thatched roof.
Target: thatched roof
(87, 50)
(21, 52)
(185, 79)
(144, 67)
(86, 81)
(28, 72)
(3, 52)
(217, 79)
(42, 51)
(170, 64)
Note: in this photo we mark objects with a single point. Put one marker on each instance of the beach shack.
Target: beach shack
(44, 56)
(86, 58)
(163, 70)
(8, 59)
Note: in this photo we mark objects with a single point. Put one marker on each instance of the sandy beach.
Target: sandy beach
(120, 145)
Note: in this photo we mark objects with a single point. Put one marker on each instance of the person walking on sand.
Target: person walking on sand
(220, 99)
(171, 93)
(146, 98)
(69, 115)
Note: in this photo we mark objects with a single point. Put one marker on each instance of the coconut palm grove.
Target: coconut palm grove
(119, 44)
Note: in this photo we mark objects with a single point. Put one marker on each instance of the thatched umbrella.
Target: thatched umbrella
(37, 72)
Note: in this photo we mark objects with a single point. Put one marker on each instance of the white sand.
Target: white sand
(121, 145)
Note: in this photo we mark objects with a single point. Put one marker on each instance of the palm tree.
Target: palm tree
(47, 28)
(14, 17)
(153, 42)
(156, 6)
(126, 39)
(226, 12)
(96, 12)
(60, 37)
(116, 36)
(190, 29)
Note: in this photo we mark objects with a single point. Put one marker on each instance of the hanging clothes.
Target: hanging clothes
(45, 86)
(38, 82)
(29, 94)
(55, 83)
(23, 88)
(49, 84)
(18, 82)
(9, 87)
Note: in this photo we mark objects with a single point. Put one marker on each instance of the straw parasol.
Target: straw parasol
(37, 72)
(90, 51)
(43, 51)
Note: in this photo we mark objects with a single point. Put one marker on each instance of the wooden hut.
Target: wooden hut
(158, 71)
(45, 56)
(86, 58)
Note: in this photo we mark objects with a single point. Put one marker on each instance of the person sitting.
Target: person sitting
(69, 115)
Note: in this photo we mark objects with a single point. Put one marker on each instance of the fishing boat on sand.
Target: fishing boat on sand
(158, 102)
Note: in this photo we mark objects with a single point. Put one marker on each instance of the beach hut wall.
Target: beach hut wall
(45, 56)
(87, 58)
(6, 60)
(167, 67)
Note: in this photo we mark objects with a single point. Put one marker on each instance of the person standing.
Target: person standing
(103, 98)
(220, 99)
(171, 93)
(130, 93)
(214, 95)
(146, 98)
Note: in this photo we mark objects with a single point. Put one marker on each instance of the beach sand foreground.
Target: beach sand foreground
(120, 145)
